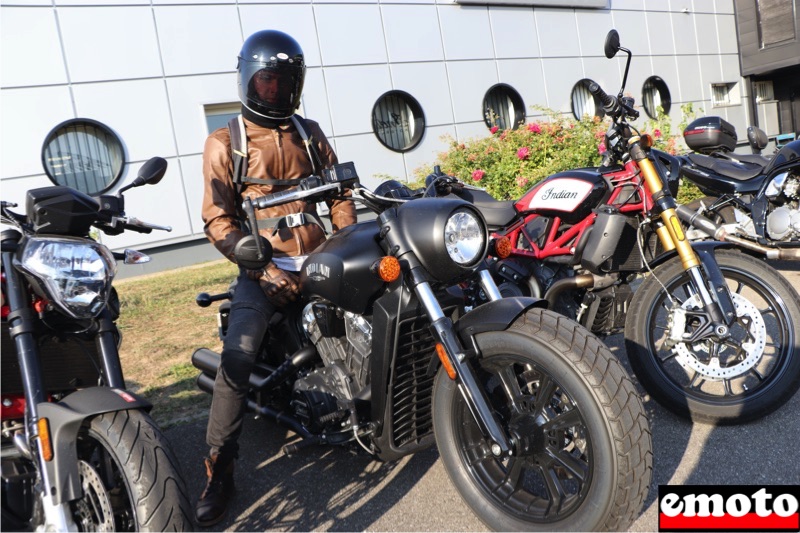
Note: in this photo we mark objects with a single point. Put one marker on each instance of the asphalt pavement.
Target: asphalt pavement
(343, 489)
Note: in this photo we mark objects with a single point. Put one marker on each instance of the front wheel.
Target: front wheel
(583, 458)
(736, 380)
(129, 476)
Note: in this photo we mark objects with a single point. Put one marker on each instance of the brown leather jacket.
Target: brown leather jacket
(274, 154)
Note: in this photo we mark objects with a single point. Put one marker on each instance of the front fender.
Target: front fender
(494, 316)
(65, 419)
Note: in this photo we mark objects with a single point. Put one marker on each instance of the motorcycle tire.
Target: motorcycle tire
(685, 378)
(130, 477)
(583, 458)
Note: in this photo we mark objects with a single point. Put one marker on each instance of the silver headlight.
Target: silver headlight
(75, 274)
(464, 237)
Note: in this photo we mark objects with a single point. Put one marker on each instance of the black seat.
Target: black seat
(741, 170)
(496, 213)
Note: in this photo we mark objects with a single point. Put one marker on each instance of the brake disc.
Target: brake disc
(93, 511)
(753, 346)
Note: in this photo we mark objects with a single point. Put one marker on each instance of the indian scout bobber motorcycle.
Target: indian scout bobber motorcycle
(712, 333)
(79, 452)
(537, 423)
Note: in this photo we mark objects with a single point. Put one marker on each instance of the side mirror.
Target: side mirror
(612, 44)
(250, 255)
(150, 173)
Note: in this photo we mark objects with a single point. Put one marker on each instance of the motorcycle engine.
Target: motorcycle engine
(344, 342)
(783, 223)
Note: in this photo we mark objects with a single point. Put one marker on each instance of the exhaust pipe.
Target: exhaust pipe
(567, 284)
(718, 232)
(208, 361)
(206, 384)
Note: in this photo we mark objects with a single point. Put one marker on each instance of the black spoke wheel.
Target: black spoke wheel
(733, 381)
(580, 435)
(129, 477)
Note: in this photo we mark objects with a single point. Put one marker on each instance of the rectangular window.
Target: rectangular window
(724, 94)
(218, 115)
(763, 91)
(775, 22)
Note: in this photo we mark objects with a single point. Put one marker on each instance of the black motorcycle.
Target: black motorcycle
(753, 200)
(712, 333)
(79, 452)
(538, 425)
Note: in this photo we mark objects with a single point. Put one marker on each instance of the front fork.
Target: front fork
(719, 304)
(468, 384)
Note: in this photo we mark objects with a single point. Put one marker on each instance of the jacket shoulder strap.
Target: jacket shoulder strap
(305, 133)
(238, 150)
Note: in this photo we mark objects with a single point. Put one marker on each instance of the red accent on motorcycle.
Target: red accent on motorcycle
(40, 305)
(13, 406)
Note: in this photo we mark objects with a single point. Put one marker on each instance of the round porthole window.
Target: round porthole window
(398, 121)
(584, 102)
(83, 154)
(503, 107)
(655, 93)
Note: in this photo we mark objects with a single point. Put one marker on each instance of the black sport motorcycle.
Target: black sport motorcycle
(753, 200)
(79, 452)
(712, 333)
(538, 425)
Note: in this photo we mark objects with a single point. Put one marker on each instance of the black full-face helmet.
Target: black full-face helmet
(271, 70)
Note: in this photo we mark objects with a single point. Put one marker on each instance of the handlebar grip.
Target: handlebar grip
(610, 103)
(138, 229)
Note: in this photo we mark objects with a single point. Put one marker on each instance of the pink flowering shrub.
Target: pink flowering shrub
(507, 163)
(511, 162)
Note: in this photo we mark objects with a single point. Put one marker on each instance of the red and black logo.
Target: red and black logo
(728, 508)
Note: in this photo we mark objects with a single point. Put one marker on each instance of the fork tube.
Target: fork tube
(21, 324)
(470, 388)
(109, 354)
(489, 286)
(666, 202)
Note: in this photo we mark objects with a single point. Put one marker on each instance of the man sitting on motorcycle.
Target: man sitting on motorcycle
(271, 72)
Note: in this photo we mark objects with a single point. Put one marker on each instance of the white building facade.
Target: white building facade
(159, 74)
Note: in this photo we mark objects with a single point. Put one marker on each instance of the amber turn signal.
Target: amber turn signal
(646, 141)
(387, 268)
(502, 247)
(448, 366)
(44, 439)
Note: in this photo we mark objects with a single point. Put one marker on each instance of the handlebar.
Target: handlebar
(611, 104)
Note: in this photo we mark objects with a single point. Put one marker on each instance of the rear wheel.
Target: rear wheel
(129, 476)
(582, 459)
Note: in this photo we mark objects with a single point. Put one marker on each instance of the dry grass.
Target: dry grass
(161, 327)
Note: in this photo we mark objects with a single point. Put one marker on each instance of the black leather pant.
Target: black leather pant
(247, 325)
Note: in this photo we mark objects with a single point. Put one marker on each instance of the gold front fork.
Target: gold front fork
(671, 233)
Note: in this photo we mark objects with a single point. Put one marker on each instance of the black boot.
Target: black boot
(213, 503)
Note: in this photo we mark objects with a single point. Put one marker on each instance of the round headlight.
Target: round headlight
(464, 237)
(75, 274)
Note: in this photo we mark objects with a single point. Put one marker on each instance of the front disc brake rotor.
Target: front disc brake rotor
(753, 345)
(93, 510)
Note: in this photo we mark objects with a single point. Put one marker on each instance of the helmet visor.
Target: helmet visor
(270, 89)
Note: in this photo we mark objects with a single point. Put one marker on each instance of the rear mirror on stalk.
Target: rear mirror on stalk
(150, 173)
(250, 255)
(612, 44)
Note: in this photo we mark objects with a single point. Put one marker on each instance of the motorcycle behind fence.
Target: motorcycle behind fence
(79, 452)
(538, 425)
(711, 333)
(752, 200)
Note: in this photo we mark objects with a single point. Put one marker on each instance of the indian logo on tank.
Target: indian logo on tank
(563, 194)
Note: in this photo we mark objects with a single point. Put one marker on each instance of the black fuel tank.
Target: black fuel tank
(339, 269)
